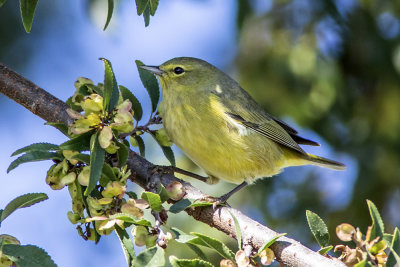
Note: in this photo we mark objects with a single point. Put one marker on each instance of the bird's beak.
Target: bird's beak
(153, 69)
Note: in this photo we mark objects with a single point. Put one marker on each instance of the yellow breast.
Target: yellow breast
(219, 145)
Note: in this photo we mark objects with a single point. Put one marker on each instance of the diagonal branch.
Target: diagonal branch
(288, 251)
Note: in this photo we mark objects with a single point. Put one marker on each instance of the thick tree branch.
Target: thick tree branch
(288, 251)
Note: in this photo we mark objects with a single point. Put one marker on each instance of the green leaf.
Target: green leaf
(269, 243)
(28, 256)
(181, 205)
(318, 228)
(395, 249)
(151, 257)
(325, 250)
(153, 6)
(198, 251)
(34, 156)
(128, 218)
(162, 192)
(388, 239)
(217, 245)
(109, 13)
(362, 263)
(126, 243)
(131, 194)
(175, 262)
(154, 200)
(111, 93)
(108, 171)
(136, 106)
(2, 2)
(142, 148)
(79, 143)
(36, 147)
(182, 237)
(82, 157)
(377, 223)
(237, 230)
(97, 156)
(150, 83)
(140, 6)
(27, 12)
(22, 202)
(201, 204)
(168, 153)
(146, 16)
(123, 154)
(59, 126)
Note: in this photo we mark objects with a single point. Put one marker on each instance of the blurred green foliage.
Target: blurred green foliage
(333, 67)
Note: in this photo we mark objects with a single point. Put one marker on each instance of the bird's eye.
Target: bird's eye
(178, 70)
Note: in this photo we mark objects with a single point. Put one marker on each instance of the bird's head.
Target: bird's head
(184, 73)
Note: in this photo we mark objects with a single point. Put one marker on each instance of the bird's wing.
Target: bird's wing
(246, 111)
(268, 128)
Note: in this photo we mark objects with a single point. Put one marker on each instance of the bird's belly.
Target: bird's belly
(221, 150)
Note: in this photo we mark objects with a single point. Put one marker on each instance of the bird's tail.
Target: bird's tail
(324, 162)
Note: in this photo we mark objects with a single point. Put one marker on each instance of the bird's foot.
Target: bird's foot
(216, 201)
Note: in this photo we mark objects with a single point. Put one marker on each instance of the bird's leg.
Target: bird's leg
(173, 169)
(224, 198)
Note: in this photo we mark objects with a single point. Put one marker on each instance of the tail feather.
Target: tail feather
(324, 162)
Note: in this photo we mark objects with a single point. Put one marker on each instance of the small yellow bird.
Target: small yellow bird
(222, 128)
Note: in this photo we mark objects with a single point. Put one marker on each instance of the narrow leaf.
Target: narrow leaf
(217, 245)
(154, 200)
(146, 16)
(237, 230)
(97, 156)
(168, 153)
(198, 251)
(395, 256)
(28, 256)
(59, 126)
(175, 262)
(181, 205)
(162, 192)
(109, 13)
(111, 93)
(27, 8)
(126, 243)
(36, 147)
(325, 250)
(108, 171)
(82, 157)
(318, 228)
(395, 249)
(34, 156)
(181, 236)
(377, 222)
(270, 242)
(78, 143)
(22, 202)
(153, 6)
(142, 148)
(136, 106)
(150, 83)
(123, 154)
(141, 5)
(128, 218)
(151, 257)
